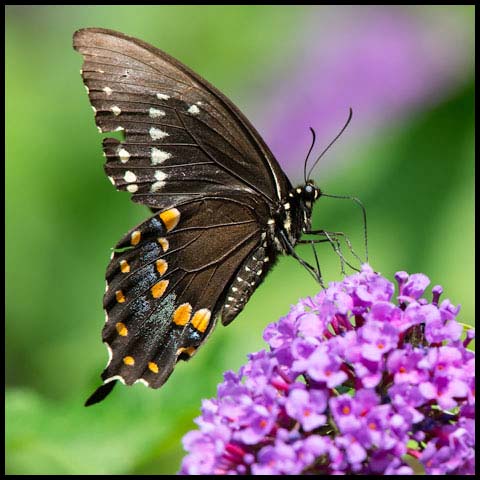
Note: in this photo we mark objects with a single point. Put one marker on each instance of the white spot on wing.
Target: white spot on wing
(132, 188)
(155, 113)
(108, 90)
(110, 353)
(160, 175)
(194, 110)
(112, 180)
(124, 155)
(116, 110)
(142, 380)
(159, 156)
(157, 134)
(130, 177)
(157, 186)
(115, 377)
(162, 96)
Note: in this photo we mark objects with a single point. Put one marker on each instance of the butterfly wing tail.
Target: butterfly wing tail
(100, 393)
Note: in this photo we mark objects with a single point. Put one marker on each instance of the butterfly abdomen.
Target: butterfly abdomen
(248, 277)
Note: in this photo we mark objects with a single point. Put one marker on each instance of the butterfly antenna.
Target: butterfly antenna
(364, 212)
(308, 154)
(333, 141)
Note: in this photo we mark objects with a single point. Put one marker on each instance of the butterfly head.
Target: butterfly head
(307, 194)
(303, 197)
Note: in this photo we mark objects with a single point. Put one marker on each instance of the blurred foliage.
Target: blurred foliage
(63, 216)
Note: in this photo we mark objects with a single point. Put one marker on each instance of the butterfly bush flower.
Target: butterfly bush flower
(357, 380)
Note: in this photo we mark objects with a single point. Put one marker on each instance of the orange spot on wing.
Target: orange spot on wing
(124, 266)
(170, 218)
(159, 288)
(188, 350)
(119, 296)
(164, 243)
(200, 319)
(128, 360)
(181, 316)
(135, 238)
(162, 266)
(153, 367)
(121, 329)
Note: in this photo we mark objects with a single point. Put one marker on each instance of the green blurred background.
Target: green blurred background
(412, 167)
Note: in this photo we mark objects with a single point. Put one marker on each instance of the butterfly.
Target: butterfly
(222, 209)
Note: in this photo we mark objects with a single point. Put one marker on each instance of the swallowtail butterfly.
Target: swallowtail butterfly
(222, 209)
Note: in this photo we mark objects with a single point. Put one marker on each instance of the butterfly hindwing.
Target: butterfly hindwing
(161, 305)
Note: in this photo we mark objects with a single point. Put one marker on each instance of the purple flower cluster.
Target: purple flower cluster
(353, 384)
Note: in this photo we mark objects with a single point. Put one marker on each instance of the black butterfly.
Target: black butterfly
(223, 209)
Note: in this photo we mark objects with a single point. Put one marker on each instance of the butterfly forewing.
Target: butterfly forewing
(182, 136)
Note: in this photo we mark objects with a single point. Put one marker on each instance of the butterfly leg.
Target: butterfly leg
(316, 260)
(326, 233)
(334, 242)
(332, 238)
(346, 239)
(315, 273)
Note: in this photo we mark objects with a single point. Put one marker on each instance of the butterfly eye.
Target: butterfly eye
(310, 191)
